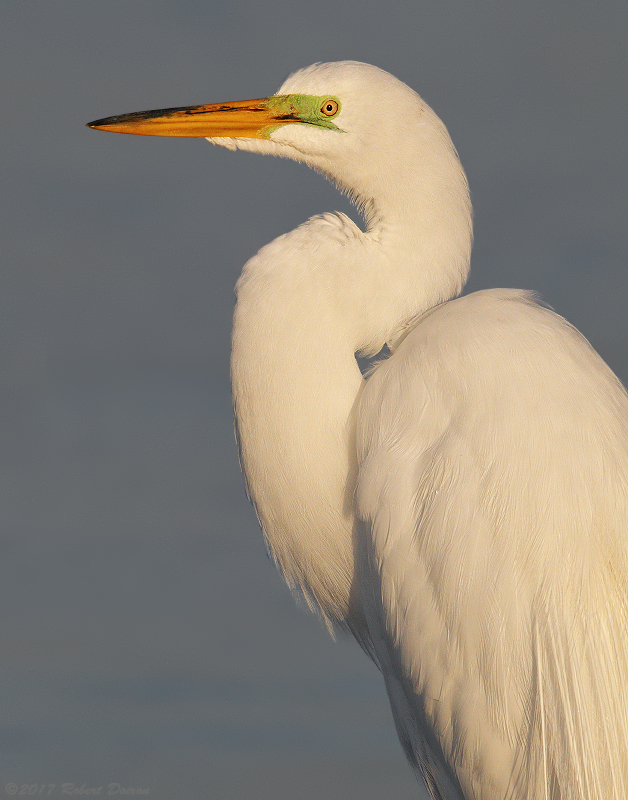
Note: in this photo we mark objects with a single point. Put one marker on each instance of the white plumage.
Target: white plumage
(464, 510)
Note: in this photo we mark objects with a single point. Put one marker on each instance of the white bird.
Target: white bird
(463, 510)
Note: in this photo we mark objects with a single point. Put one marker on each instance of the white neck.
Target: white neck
(306, 303)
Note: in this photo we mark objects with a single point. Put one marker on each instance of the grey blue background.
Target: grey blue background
(146, 640)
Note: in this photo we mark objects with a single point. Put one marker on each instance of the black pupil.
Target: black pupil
(329, 107)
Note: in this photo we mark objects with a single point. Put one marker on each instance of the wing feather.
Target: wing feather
(493, 494)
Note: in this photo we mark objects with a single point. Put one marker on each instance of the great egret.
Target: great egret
(464, 510)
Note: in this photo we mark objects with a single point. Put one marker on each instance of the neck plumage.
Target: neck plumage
(305, 304)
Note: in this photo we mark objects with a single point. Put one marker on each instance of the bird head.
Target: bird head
(360, 126)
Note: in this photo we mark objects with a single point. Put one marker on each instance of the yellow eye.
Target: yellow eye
(329, 108)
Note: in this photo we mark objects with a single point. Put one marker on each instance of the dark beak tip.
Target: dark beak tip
(98, 123)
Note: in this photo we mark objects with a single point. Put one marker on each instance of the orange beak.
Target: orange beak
(248, 118)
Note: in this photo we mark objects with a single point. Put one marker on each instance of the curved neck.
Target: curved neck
(305, 304)
(414, 255)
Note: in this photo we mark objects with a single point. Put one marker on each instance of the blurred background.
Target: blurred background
(147, 641)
